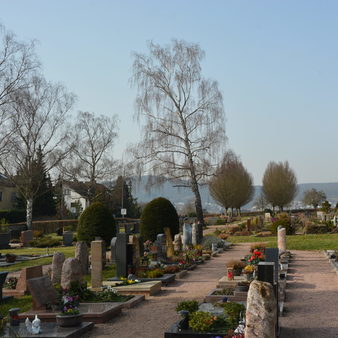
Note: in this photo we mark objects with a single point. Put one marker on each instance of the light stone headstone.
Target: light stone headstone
(113, 250)
(26, 237)
(281, 233)
(186, 235)
(26, 274)
(71, 272)
(169, 243)
(194, 234)
(96, 249)
(134, 241)
(178, 243)
(214, 247)
(267, 217)
(81, 253)
(58, 260)
(261, 312)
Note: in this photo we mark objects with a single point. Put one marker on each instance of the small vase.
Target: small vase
(69, 320)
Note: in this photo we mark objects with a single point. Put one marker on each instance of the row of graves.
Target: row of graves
(64, 306)
(247, 301)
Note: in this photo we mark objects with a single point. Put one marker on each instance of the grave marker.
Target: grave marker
(58, 260)
(121, 255)
(26, 237)
(97, 264)
(67, 238)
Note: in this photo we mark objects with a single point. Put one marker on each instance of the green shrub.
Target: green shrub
(233, 311)
(220, 221)
(45, 242)
(13, 215)
(316, 229)
(157, 215)
(201, 321)
(284, 223)
(96, 220)
(187, 305)
(208, 240)
(154, 273)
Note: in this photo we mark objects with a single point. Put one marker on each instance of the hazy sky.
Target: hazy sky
(276, 63)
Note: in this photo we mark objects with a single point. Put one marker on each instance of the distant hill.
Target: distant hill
(179, 196)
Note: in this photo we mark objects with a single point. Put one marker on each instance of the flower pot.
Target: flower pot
(69, 320)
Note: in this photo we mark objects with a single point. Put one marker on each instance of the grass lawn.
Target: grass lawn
(69, 251)
(24, 303)
(295, 242)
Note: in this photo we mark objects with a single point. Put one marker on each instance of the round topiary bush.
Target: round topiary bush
(96, 220)
(157, 215)
(284, 223)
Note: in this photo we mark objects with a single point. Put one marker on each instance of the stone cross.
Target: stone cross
(186, 235)
(281, 233)
(97, 266)
(58, 260)
(261, 312)
(81, 253)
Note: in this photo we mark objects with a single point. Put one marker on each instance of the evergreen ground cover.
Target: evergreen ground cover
(294, 242)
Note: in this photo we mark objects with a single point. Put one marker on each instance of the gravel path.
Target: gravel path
(152, 317)
(311, 307)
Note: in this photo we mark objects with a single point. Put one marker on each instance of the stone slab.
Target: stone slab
(91, 312)
(225, 283)
(50, 330)
(137, 299)
(181, 274)
(146, 288)
(211, 298)
(165, 279)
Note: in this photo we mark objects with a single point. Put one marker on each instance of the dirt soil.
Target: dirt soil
(152, 317)
(311, 307)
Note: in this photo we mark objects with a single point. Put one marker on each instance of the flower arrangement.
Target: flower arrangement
(147, 245)
(256, 257)
(127, 281)
(249, 269)
(70, 305)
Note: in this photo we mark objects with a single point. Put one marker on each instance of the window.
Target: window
(13, 196)
(67, 192)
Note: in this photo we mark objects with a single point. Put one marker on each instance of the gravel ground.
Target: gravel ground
(152, 317)
(311, 307)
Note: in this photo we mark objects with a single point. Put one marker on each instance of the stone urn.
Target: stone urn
(69, 320)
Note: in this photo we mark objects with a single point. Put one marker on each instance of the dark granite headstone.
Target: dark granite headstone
(67, 238)
(3, 276)
(4, 240)
(121, 245)
(272, 255)
(266, 272)
(161, 246)
(43, 292)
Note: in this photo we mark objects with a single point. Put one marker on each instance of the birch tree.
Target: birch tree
(91, 158)
(181, 113)
(38, 115)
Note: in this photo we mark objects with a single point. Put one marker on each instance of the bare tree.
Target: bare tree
(17, 63)
(232, 185)
(260, 202)
(38, 115)
(313, 197)
(279, 184)
(183, 115)
(91, 158)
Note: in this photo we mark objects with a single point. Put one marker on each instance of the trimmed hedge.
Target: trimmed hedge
(96, 220)
(13, 215)
(284, 223)
(157, 215)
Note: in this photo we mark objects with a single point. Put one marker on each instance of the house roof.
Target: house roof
(82, 187)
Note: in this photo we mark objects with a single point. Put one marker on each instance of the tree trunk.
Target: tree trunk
(199, 209)
(29, 213)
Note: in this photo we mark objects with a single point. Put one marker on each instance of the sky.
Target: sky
(276, 63)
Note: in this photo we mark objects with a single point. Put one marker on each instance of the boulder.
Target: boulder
(81, 253)
(71, 272)
(58, 260)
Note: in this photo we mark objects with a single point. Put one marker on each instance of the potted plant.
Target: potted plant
(70, 313)
(236, 266)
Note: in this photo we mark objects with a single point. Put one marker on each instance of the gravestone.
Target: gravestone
(97, 263)
(248, 224)
(178, 243)
(121, 245)
(261, 312)
(67, 238)
(25, 275)
(161, 248)
(43, 292)
(169, 242)
(186, 235)
(81, 253)
(214, 247)
(194, 234)
(134, 241)
(272, 255)
(266, 272)
(267, 217)
(3, 276)
(281, 233)
(71, 272)
(26, 237)
(4, 240)
(113, 250)
(58, 260)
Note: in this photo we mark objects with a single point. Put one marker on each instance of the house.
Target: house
(75, 195)
(8, 193)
